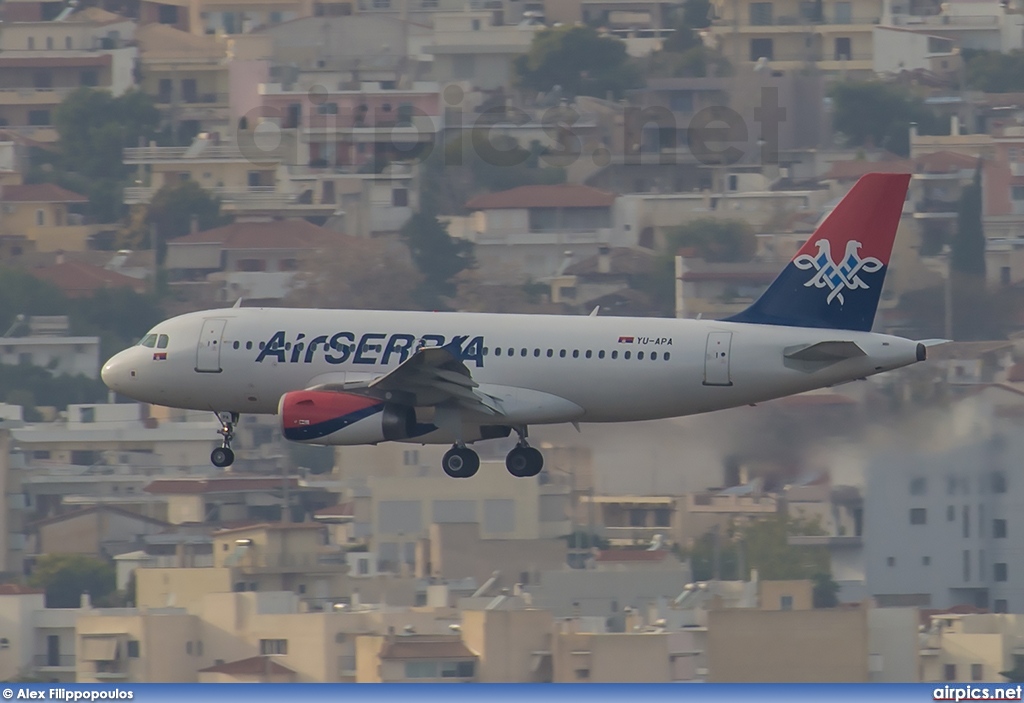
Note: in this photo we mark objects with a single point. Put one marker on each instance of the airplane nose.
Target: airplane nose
(116, 372)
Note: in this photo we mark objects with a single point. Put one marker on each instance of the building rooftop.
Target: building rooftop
(77, 279)
(109, 509)
(631, 555)
(426, 647)
(276, 234)
(272, 526)
(253, 666)
(542, 196)
(621, 261)
(40, 193)
(157, 41)
(198, 486)
(855, 168)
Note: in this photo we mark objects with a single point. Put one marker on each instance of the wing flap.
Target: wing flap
(824, 351)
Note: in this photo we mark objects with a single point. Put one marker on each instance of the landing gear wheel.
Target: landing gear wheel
(222, 457)
(524, 461)
(460, 462)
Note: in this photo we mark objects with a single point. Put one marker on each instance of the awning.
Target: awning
(99, 648)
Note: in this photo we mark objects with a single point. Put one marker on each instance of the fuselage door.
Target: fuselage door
(210, 342)
(716, 359)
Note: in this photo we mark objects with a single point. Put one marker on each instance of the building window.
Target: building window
(967, 521)
(252, 265)
(761, 49)
(89, 78)
(31, 43)
(926, 561)
(918, 516)
(133, 649)
(1000, 571)
(49, 43)
(457, 670)
(167, 14)
(949, 672)
(918, 486)
(67, 42)
(786, 602)
(40, 217)
(977, 671)
(400, 197)
(760, 14)
(582, 674)
(638, 517)
(967, 565)
(890, 561)
(1001, 606)
(998, 482)
(421, 670)
(843, 52)
(38, 118)
(662, 516)
(950, 513)
(273, 647)
(327, 109)
(999, 528)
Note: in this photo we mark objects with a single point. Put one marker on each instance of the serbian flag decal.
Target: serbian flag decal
(160, 356)
(626, 340)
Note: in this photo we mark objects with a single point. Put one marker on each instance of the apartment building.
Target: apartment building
(232, 17)
(45, 58)
(833, 37)
(964, 647)
(43, 217)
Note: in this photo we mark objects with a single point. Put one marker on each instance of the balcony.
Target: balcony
(46, 662)
(786, 23)
(174, 154)
(946, 21)
(260, 198)
(932, 209)
(34, 96)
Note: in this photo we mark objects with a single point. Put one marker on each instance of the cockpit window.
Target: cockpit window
(162, 342)
(148, 341)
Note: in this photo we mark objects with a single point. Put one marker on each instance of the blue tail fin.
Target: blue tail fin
(836, 278)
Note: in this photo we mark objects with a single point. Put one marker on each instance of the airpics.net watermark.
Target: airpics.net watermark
(500, 135)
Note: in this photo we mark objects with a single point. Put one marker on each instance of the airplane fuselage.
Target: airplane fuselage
(545, 369)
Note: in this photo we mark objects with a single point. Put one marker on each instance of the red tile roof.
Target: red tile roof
(197, 486)
(16, 589)
(40, 193)
(1016, 373)
(620, 555)
(543, 196)
(77, 279)
(272, 526)
(426, 647)
(253, 666)
(277, 234)
(108, 509)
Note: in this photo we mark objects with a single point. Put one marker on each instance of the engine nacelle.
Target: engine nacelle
(334, 417)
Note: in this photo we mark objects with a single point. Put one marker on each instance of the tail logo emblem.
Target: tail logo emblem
(844, 275)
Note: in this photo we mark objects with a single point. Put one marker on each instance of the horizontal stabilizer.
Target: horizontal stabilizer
(933, 342)
(824, 351)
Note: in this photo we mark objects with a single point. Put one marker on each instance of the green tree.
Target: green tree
(994, 71)
(438, 256)
(93, 127)
(968, 242)
(172, 208)
(696, 62)
(879, 114)
(1016, 674)
(714, 240)
(826, 591)
(767, 549)
(65, 577)
(696, 15)
(580, 61)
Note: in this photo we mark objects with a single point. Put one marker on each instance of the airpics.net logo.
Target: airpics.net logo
(978, 693)
(500, 135)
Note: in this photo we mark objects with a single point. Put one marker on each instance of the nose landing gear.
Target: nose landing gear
(222, 456)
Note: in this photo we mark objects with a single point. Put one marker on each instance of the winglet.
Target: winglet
(238, 303)
(835, 280)
(593, 313)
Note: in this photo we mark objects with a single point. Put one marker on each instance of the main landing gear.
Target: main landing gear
(222, 456)
(522, 462)
(460, 462)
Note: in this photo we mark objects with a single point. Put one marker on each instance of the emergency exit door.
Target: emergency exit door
(716, 359)
(210, 342)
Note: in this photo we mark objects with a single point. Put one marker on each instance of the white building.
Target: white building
(61, 355)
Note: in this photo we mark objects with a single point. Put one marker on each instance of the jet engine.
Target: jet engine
(336, 417)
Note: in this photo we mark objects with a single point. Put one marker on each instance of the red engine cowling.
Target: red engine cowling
(334, 417)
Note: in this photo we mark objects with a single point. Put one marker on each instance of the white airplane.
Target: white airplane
(343, 377)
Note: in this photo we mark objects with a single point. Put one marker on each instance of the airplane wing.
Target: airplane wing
(824, 351)
(431, 376)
